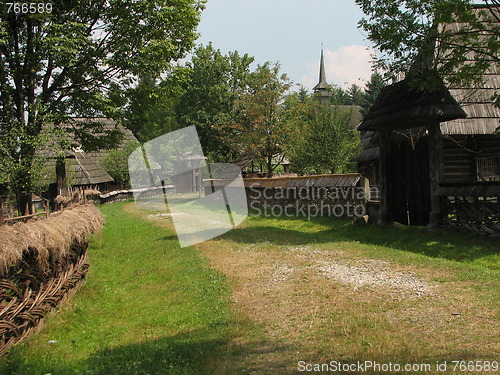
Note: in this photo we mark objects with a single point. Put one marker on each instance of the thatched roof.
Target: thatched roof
(403, 105)
(87, 171)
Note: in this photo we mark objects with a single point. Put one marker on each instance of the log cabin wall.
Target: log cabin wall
(458, 160)
(460, 153)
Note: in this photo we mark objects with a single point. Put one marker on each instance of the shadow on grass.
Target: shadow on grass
(192, 353)
(437, 244)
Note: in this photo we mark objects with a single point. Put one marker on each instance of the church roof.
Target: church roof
(322, 84)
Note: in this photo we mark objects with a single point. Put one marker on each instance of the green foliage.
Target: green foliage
(371, 92)
(338, 96)
(213, 85)
(354, 95)
(116, 163)
(150, 109)
(417, 35)
(328, 143)
(68, 61)
(260, 127)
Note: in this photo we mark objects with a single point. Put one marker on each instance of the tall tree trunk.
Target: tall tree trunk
(23, 180)
(269, 166)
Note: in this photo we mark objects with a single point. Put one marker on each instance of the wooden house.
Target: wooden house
(435, 153)
(85, 168)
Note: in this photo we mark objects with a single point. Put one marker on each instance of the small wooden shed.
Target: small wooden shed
(406, 121)
(436, 153)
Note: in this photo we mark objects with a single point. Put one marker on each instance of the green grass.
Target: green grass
(148, 307)
(396, 241)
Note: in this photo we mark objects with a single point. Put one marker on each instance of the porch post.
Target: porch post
(61, 176)
(385, 215)
(436, 174)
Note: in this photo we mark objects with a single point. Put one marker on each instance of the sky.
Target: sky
(291, 32)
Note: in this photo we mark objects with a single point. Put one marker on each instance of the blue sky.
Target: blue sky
(291, 32)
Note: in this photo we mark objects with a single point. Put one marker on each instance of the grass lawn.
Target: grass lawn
(148, 307)
(267, 295)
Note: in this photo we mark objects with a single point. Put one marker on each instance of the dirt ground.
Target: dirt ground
(318, 303)
(322, 305)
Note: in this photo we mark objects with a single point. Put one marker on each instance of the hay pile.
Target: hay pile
(41, 264)
(49, 240)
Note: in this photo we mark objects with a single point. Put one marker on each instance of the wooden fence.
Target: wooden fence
(472, 207)
(71, 196)
(26, 216)
(325, 195)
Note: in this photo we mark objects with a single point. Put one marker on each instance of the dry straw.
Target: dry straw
(50, 239)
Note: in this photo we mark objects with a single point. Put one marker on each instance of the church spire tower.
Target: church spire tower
(321, 89)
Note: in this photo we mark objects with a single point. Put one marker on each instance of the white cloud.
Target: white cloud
(348, 65)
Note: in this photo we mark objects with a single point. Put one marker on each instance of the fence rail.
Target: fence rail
(4, 220)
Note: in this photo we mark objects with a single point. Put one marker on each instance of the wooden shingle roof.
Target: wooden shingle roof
(107, 124)
(403, 105)
(400, 106)
(482, 116)
(87, 171)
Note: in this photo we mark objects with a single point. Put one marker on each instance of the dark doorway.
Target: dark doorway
(408, 181)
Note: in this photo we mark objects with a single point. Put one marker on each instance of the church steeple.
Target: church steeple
(321, 89)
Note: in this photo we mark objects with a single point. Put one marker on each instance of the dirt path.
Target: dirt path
(329, 301)
(327, 305)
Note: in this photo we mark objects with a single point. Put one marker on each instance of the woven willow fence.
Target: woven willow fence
(41, 265)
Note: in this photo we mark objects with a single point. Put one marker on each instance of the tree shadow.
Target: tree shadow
(444, 244)
(196, 352)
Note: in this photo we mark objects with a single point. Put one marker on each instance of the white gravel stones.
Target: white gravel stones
(373, 273)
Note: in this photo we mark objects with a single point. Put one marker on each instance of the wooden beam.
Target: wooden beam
(385, 215)
(1, 210)
(25, 216)
(436, 174)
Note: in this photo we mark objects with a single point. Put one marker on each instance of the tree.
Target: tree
(421, 35)
(213, 85)
(371, 92)
(354, 95)
(338, 96)
(64, 59)
(328, 143)
(260, 125)
(151, 107)
(116, 163)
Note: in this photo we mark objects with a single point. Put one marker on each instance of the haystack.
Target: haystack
(49, 239)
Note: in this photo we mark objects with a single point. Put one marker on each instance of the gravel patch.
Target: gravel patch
(281, 272)
(374, 273)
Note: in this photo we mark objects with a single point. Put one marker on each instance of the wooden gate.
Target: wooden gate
(408, 182)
